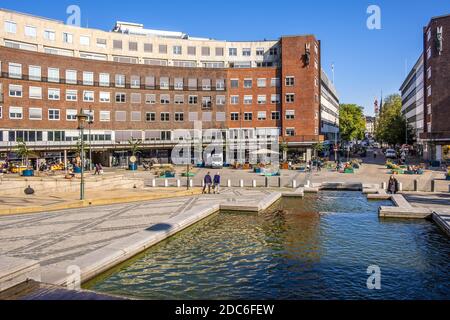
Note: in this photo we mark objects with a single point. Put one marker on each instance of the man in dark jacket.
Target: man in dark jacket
(207, 183)
(393, 185)
(216, 185)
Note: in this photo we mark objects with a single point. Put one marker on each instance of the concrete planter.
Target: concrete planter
(133, 167)
(28, 173)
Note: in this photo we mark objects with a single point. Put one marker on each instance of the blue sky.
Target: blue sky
(366, 61)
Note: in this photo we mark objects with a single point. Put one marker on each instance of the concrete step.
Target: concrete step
(14, 271)
(405, 213)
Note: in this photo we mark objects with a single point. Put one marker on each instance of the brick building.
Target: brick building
(147, 85)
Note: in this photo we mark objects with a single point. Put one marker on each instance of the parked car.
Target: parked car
(391, 154)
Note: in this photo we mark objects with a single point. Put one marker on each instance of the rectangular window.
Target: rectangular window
(248, 116)
(101, 43)
(246, 52)
(150, 98)
(260, 52)
(71, 76)
(220, 84)
(15, 70)
(220, 116)
(234, 100)
(136, 98)
(275, 99)
(192, 51)
(193, 99)
(248, 99)
(164, 83)
(53, 114)
(53, 94)
(71, 95)
(35, 92)
(179, 99)
(177, 50)
(120, 80)
(273, 51)
(220, 100)
(262, 99)
(234, 116)
(290, 132)
(67, 37)
(275, 82)
(71, 115)
(121, 97)
(121, 116)
(34, 73)
(85, 40)
(206, 84)
(15, 113)
(165, 116)
(104, 79)
(164, 99)
(35, 113)
(135, 82)
(49, 35)
(163, 49)
(206, 103)
(179, 116)
(248, 83)
(15, 91)
(30, 31)
(53, 75)
(219, 52)
(429, 73)
(429, 91)
(148, 47)
(262, 115)
(132, 46)
(88, 96)
(290, 114)
(117, 44)
(10, 27)
(276, 115)
(105, 97)
(88, 78)
(179, 84)
(193, 116)
(136, 116)
(290, 98)
(262, 82)
(192, 84)
(206, 51)
(232, 52)
(429, 53)
(150, 116)
(105, 116)
(234, 83)
(290, 81)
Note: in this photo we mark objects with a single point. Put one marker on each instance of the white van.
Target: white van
(217, 161)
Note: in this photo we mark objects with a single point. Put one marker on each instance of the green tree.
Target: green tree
(23, 151)
(392, 127)
(135, 146)
(352, 122)
(318, 147)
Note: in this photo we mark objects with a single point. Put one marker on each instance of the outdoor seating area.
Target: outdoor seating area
(404, 169)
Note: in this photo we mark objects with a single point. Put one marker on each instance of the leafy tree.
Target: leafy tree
(318, 147)
(391, 127)
(352, 122)
(23, 151)
(135, 146)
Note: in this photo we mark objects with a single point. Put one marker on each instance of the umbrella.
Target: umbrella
(264, 152)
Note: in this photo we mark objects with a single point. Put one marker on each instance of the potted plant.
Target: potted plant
(135, 145)
(447, 176)
(23, 152)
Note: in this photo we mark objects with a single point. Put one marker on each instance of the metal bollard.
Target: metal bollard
(242, 183)
(279, 182)
(400, 187)
(267, 182)
(154, 183)
(191, 183)
(433, 186)
(166, 183)
(383, 186)
(178, 183)
(294, 184)
(254, 184)
(308, 183)
(229, 183)
(416, 185)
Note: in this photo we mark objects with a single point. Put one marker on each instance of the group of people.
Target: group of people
(213, 183)
(414, 169)
(317, 165)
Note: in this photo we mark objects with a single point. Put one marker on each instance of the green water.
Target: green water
(316, 248)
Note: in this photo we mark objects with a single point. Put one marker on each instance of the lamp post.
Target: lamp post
(90, 122)
(82, 117)
(335, 143)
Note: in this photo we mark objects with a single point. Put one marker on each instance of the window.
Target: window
(219, 52)
(136, 116)
(234, 100)
(248, 99)
(429, 91)
(35, 113)
(53, 94)
(232, 52)
(53, 114)
(15, 91)
(101, 43)
(85, 40)
(121, 97)
(30, 31)
(71, 95)
(117, 44)
(193, 116)
(275, 82)
(290, 81)
(193, 99)
(104, 79)
(135, 82)
(429, 53)
(177, 50)
(35, 92)
(290, 98)
(149, 82)
(179, 99)
(207, 116)
(234, 83)
(206, 51)
(192, 51)
(429, 35)
(136, 98)
(34, 73)
(290, 114)
(262, 99)
(246, 52)
(206, 102)
(150, 116)
(132, 46)
(260, 52)
(234, 116)
(10, 27)
(206, 84)
(165, 116)
(220, 84)
(71, 76)
(53, 75)
(248, 116)
(121, 116)
(120, 80)
(49, 35)
(67, 37)
(220, 100)
(15, 113)
(179, 83)
(105, 97)
(192, 84)
(15, 70)
(276, 115)
(275, 99)
(71, 115)
(148, 47)
(220, 116)
(150, 98)
(164, 83)
(88, 78)
(261, 82)
(429, 73)
(162, 49)
(248, 83)
(164, 99)
(273, 51)
(105, 116)
(179, 116)
(88, 96)
(290, 132)
(262, 115)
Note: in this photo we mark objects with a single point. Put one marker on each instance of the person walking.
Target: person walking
(207, 183)
(393, 185)
(216, 185)
(97, 171)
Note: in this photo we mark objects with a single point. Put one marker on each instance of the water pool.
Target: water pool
(316, 248)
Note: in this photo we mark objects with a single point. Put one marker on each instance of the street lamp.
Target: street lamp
(335, 142)
(91, 121)
(82, 117)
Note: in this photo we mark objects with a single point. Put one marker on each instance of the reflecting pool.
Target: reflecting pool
(316, 248)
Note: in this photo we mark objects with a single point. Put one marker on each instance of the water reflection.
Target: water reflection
(316, 248)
